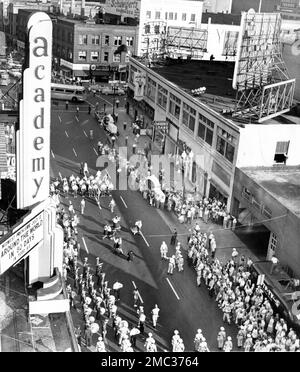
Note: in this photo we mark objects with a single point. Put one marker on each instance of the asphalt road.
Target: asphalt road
(183, 306)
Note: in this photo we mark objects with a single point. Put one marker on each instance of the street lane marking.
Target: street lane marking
(144, 239)
(123, 201)
(59, 118)
(77, 118)
(66, 134)
(74, 152)
(85, 246)
(95, 151)
(167, 279)
(85, 133)
(138, 292)
(53, 156)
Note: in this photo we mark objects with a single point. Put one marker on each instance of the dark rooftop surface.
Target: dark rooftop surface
(222, 18)
(282, 183)
(215, 76)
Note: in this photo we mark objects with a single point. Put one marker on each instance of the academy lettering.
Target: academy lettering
(40, 49)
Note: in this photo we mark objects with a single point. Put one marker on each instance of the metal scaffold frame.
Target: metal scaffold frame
(183, 42)
(264, 88)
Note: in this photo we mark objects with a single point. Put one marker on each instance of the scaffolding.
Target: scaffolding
(264, 88)
(186, 43)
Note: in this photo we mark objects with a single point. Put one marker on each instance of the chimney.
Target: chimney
(83, 7)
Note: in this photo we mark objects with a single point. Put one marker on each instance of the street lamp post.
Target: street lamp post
(114, 99)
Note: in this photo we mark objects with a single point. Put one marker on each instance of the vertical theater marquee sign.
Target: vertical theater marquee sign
(33, 136)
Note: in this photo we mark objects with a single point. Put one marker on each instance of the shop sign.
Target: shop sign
(33, 137)
(161, 125)
(15, 247)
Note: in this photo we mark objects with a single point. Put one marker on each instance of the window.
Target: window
(156, 29)
(175, 16)
(174, 106)
(148, 14)
(82, 55)
(189, 117)
(162, 97)
(70, 37)
(83, 39)
(206, 129)
(94, 56)
(183, 18)
(171, 16)
(129, 41)
(116, 58)
(225, 142)
(166, 15)
(70, 54)
(151, 89)
(255, 203)
(106, 40)
(267, 212)
(246, 194)
(147, 29)
(281, 152)
(95, 39)
(157, 15)
(193, 17)
(106, 56)
(117, 40)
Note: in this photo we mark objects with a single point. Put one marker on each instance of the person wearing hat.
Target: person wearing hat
(180, 262)
(171, 265)
(228, 345)
(133, 335)
(125, 344)
(155, 316)
(221, 338)
(240, 337)
(149, 340)
(248, 343)
(164, 250)
(203, 348)
(175, 339)
(100, 346)
(142, 319)
(198, 339)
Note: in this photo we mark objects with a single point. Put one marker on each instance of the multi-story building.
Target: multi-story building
(222, 149)
(239, 6)
(217, 6)
(84, 48)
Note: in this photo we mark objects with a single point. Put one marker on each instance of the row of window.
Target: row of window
(95, 40)
(157, 29)
(246, 194)
(225, 141)
(95, 56)
(171, 16)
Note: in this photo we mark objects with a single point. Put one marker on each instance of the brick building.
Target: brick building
(86, 49)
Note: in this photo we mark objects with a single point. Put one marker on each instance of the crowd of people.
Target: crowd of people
(241, 300)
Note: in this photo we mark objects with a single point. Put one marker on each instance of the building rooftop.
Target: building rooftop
(217, 77)
(281, 182)
(222, 18)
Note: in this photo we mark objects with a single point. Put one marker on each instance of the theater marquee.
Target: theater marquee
(33, 136)
(21, 242)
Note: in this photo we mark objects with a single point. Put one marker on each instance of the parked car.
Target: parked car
(96, 88)
(110, 91)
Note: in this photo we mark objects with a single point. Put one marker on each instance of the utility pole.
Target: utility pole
(259, 7)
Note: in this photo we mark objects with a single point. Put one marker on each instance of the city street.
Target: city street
(182, 304)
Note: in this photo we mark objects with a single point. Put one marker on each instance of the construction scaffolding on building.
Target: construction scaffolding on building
(264, 88)
(186, 43)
